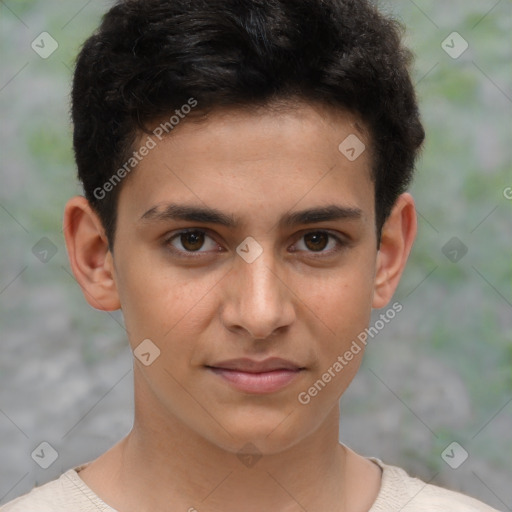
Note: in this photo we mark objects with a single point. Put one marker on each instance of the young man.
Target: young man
(245, 164)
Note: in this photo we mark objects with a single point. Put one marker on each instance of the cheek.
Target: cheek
(342, 311)
(159, 302)
(143, 296)
(341, 303)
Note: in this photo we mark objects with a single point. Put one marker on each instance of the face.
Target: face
(246, 253)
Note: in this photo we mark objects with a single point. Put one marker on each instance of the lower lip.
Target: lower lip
(266, 382)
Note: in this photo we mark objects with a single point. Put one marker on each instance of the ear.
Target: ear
(89, 256)
(398, 234)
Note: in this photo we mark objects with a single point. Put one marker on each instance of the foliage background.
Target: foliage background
(440, 372)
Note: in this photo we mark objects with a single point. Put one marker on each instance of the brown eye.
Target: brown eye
(192, 240)
(316, 241)
(322, 242)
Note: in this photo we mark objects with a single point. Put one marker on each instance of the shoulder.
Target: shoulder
(66, 493)
(399, 491)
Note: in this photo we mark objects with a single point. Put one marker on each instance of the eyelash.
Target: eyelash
(197, 254)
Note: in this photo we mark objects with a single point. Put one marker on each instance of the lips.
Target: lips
(252, 366)
(251, 376)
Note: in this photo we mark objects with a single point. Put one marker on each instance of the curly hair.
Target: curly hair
(150, 57)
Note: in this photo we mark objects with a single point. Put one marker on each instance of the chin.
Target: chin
(265, 434)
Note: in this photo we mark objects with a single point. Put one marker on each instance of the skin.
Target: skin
(298, 301)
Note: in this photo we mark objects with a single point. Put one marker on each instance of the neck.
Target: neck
(184, 468)
(163, 461)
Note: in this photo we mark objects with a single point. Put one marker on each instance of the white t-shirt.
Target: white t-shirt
(398, 492)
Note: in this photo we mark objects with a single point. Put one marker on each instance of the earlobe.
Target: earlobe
(89, 255)
(398, 234)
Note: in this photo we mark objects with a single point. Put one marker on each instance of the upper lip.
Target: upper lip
(251, 366)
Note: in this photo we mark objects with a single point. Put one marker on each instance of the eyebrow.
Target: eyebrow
(201, 214)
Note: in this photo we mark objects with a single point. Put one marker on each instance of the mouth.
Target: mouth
(257, 377)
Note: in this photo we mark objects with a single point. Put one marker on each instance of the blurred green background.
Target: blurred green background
(440, 372)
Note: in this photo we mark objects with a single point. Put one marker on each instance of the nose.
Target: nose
(258, 302)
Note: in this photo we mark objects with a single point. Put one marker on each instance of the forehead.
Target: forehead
(256, 162)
